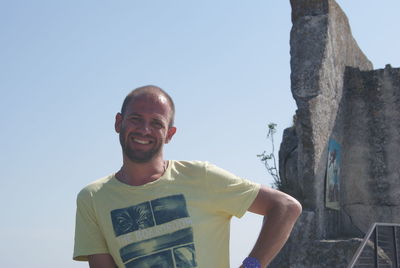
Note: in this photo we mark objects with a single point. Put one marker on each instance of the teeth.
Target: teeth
(141, 141)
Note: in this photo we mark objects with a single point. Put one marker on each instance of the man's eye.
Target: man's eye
(135, 119)
(158, 125)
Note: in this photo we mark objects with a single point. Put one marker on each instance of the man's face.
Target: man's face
(144, 127)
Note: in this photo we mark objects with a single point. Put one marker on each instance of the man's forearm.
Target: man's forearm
(274, 233)
(281, 212)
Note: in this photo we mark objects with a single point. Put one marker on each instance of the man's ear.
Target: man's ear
(171, 132)
(118, 122)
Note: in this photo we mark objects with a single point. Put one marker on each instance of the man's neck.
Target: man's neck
(137, 174)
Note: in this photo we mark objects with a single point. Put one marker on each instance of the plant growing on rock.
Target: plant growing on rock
(269, 159)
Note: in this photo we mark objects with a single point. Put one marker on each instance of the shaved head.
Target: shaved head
(151, 91)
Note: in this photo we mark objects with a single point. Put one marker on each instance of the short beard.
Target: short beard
(135, 155)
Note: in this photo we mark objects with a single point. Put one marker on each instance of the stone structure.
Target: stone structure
(370, 134)
(339, 96)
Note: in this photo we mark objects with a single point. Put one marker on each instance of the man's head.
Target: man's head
(149, 90)
(145, 123)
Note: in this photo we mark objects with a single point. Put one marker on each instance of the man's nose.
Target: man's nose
(145, 128)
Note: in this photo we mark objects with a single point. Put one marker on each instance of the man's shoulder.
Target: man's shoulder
(95, 186)
(190, 165)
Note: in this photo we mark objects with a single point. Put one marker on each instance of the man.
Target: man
(159, 213)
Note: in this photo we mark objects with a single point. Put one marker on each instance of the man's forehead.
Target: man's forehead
(150, 101)
(151, 97)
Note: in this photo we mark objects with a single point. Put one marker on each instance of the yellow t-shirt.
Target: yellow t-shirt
(180, 220)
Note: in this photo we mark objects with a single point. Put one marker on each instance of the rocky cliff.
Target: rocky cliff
(342, 102)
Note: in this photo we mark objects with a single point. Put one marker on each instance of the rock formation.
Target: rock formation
(340, 98)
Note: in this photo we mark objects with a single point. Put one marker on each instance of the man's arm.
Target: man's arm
(101, 261)
(281, 212)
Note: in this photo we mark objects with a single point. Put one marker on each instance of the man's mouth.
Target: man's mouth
(140, 141)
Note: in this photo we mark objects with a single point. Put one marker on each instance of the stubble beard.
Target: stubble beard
(137, 156)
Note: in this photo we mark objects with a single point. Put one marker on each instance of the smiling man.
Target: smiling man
(166, 213)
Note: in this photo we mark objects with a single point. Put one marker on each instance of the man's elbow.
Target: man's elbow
(292, 208)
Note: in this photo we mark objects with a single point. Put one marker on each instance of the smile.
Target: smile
(141, 141)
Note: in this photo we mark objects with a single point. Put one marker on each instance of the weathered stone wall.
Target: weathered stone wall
(339, 97)
(370, 169)
(368, 128)
(321, 47)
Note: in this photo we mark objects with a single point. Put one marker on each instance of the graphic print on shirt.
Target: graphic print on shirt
(157, 233)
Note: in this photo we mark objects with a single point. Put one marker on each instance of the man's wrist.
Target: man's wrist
(251, 262)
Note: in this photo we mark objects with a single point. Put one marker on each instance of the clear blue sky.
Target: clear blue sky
(67, 65)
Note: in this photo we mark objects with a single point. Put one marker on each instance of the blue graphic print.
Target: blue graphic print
(165, 227)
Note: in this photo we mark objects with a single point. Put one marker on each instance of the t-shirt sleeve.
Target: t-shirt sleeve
(230, 193)
(88, 235)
